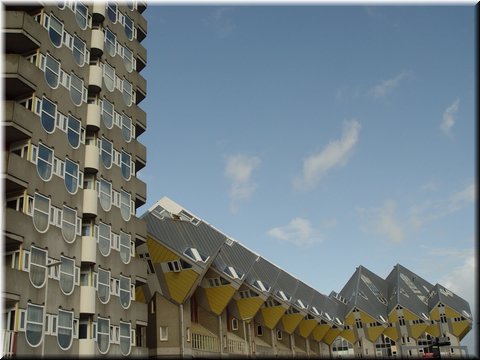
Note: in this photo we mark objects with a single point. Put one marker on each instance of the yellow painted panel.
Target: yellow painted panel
(159, 253)
(330, 336)
(219, 297)
(320, 331)
(248, 307)
(139, 295)
(408, 315)
(350, 319)
(450, 313)
(435, 314)
(272, 315)
(291, 321)
(433, 330)
(392, 317)
(416, 330)
(349, 335)
(366, 319)
(180, 283)
(392, 333)
(374, 332)
(306, 327)
(460, 328)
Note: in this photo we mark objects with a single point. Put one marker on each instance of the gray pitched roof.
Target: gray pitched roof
(442, 295)
(409, 290)
(366, 291)
(287, 284)
(264, 271)
(181, 235)
(304, 293)
(235, 255)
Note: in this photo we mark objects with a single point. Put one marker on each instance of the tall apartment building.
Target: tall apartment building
(71, 157)
(209, 296)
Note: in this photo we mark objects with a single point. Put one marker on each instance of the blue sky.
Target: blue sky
(320, 137)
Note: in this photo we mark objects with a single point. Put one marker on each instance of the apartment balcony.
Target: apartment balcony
(90, 202)
(140, 156)
(86, 347)
(9, 343)
(141, 121)
(140, 90)
(98, 12)
(95, 79)
(93, 117)
(140, 192)
(98, 38)
(89, 249)
(88, 298)
(92, 158)
(27, 6)
(141, 57)
(20, 77)
(18, 122)
(141, 6)
(21, 32)
(139, 227)
(15, 173)
(14, 234)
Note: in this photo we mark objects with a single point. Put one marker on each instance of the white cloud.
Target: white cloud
(383, 221)
(334, 154)
(238, 170)
(448, 119)
(387, 224)
(386, 86)
(435, 209)
(220, 23)
(298, 232)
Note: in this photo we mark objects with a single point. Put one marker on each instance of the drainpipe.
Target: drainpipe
(182, 333)
(292, 344)
(274, 342)
(247, 347)
(220, 333)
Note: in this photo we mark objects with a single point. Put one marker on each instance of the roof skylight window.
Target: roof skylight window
(230, 271)
(315, 311)
(261, 285)
(328, 316)
(466, 314)
(300, 303)
(193, 254)
(282, 295)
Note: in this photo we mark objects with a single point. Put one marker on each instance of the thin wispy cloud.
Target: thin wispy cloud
(385, 87)
(384, 221)
(298, 232)
(336, 153)
(220, 22)
(432, 210)
(449, 117)
(238, 170)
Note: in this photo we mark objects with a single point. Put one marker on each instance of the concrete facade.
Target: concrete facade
(71, 158)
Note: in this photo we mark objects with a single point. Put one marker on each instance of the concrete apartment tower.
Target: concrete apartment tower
(72, 88)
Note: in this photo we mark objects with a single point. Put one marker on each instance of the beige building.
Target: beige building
(209, 296)
(71, 157)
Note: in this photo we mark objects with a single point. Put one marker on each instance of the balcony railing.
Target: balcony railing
(9, 342)
(235, 346)
(205, 343)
